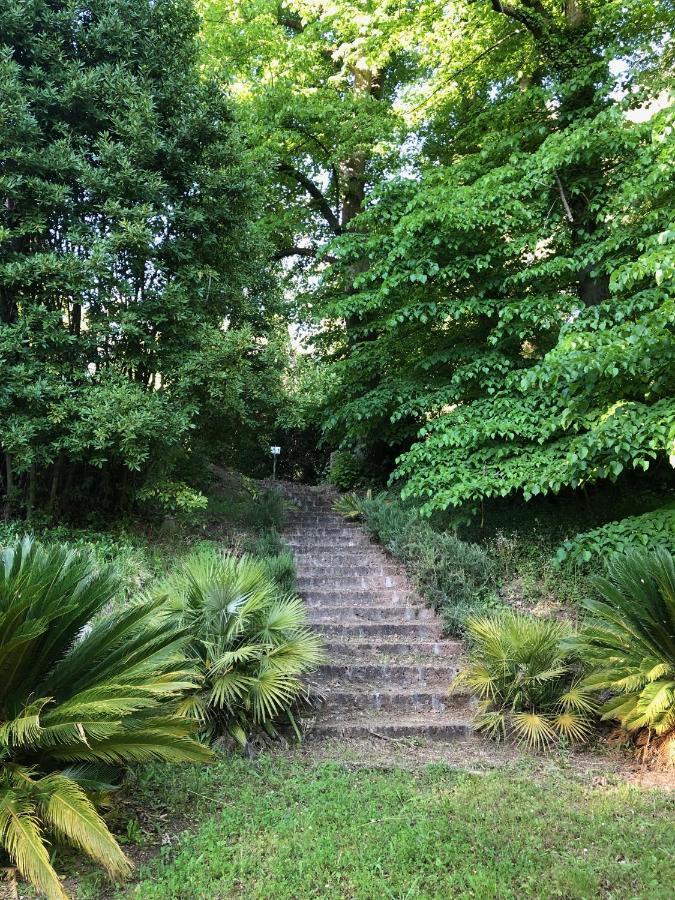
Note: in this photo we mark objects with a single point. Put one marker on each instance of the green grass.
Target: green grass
(292, 829)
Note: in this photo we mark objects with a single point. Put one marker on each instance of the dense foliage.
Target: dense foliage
(527, 681)
(630, 642)
(457, 578)
(76, 690)
(484, 193)
(135, 314)
(249, 639)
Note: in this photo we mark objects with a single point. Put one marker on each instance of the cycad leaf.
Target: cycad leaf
(20, 835)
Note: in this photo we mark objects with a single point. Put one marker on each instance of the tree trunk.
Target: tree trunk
(9, 485)
(32, 487)
(56, 475)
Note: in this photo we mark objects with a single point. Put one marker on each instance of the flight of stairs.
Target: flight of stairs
(388, 668)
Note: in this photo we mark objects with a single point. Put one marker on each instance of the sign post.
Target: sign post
(275, 451)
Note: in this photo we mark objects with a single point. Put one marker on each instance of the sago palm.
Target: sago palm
(250, 640)
(630, 642)
(77, 688)
(528, 684)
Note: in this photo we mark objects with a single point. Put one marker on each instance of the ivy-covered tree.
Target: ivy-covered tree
(133, 292)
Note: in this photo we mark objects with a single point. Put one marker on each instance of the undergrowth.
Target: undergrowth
(457, 578)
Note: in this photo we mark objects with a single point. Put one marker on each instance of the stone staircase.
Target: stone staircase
(388, 667)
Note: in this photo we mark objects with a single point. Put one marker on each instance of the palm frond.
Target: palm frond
(533, 729)
(21, 836)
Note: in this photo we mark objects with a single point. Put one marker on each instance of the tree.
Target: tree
(128, 249)
(517, 311)
(319, 94)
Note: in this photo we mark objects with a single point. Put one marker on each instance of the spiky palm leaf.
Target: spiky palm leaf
(526, 680)
(350, 505)
(250, 639)
(76, 691)
(630, 641)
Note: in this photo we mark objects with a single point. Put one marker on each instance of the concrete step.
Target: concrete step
(351, 582)
(331, 569)
(317, 519)
(417, 698)
(441, 727)
(386, 674)
(319, 613)
(360, 649)
(322, 544)
(304, 545)
(358, 596)
(406, 631)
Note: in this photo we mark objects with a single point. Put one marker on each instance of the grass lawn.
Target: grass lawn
(283, 828)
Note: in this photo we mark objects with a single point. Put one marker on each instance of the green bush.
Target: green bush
(250, 640)
(345, 470)
(78, 688)
(457, 578)
(248, 506)
(350, 505)
(649, 530)
(630, 642)
(527, 680)
(281, 569)
(267, 543)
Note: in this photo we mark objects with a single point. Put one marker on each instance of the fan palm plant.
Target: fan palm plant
(77, 688)
(630, 643)
(250, 640)
(527, 682)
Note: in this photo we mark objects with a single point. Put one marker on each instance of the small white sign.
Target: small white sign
(275, 451)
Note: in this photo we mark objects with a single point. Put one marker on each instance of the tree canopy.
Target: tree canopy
(133, 292)
(482, 196)
(465, 207)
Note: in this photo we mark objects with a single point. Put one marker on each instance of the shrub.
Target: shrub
(351, 506)
(649, 530)
(246, 505)
(345, 470)
(267, 543)
(630, 642)
(250, 640)
(528, 682)
(77, 687)
(281, 569)
(457, 578)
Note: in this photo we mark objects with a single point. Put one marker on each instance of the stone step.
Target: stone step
(356, 542)
(330, 570)
(371, 600)
(386, 673)
(391, 699)
(351, 582)
(319, 519)
(358, 596)
(385, 649)
(441, 727)
(319, 613)
(406, 631)
(323, 529)
(353, 542)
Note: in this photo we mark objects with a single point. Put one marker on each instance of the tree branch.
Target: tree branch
(563, 198)
(296, 126)
(317, 196)
(462, 69)
(531, 22)
(311, 252)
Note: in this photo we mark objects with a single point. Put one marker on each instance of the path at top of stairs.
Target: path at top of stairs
(388, 669)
